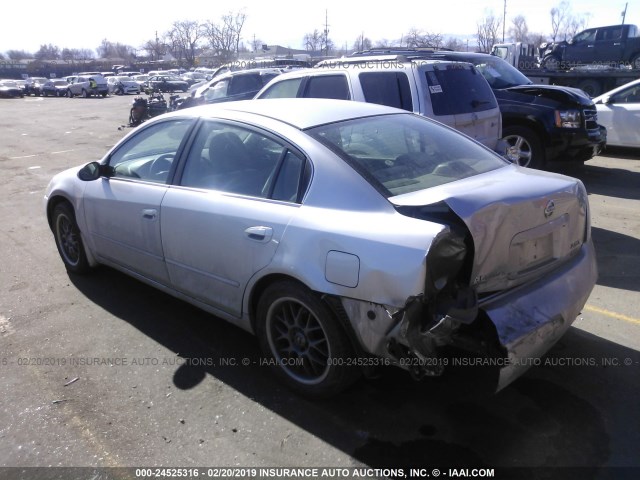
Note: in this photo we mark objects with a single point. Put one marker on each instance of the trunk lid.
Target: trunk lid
(523, 222)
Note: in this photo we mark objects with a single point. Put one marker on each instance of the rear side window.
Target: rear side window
(387, 88)
(456, 89)
(328, 86)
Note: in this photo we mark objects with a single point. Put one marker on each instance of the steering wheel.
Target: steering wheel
(161, 165)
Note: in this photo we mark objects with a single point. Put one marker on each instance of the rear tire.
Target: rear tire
(303, 341)
(68, 239)
(590, 87)
(635, 62)
(524, 147)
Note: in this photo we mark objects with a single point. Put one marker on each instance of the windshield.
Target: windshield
(404, 153)
(499, 73)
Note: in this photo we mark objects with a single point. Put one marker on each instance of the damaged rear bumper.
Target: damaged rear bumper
(530, 319)
(526, 322)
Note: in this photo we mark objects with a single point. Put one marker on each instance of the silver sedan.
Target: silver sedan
(343, 234)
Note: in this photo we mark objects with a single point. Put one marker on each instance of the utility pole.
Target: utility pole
(624, 13)
(504, 19)
(326, 33)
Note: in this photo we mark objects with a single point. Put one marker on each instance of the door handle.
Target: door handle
(260, 233)
(149, 213)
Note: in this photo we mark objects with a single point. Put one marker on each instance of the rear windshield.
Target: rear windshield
(458, 88)
(404, 153)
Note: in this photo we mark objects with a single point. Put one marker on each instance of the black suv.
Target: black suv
(540, 123)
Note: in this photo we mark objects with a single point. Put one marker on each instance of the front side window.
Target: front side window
(217, 90)
(284, 89)
(631, 95)
(404, 153)
(150, 153)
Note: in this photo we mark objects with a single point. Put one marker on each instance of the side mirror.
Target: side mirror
(607, 100)
(93, 171)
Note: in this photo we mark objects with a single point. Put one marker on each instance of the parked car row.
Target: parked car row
(478, 94)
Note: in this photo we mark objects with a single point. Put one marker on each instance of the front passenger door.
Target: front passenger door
(123, 211)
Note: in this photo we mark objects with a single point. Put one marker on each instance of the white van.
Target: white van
(454, 93)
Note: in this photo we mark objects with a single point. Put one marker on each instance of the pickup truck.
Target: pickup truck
(616, 45)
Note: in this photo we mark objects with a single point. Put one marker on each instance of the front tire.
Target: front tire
(523, 147)
(551, 63)
(303, 341)
(635, 62)
(68, 239)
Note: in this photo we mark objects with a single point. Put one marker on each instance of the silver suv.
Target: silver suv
(87, 86)
(454, 93)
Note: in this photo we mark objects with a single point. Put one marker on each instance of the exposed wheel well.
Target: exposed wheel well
(528, 123)
(333, 302)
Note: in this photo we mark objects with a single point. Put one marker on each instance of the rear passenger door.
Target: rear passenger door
(224, 220)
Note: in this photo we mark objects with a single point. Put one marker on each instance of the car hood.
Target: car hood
(564, 95)
(523, 222)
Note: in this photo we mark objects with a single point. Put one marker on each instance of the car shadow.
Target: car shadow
(618, 258)
(553, 416)
(611, 182)
(621, 152)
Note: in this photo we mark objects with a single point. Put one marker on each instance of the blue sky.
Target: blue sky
(280, 22)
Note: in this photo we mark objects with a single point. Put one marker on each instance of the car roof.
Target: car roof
(249, 71)
(301, 113)
(417, 53)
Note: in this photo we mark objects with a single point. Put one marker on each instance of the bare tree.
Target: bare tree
(109, 49)
(384, 43)
(76, 55)
(155, 48)
(455, 44)
(236, 23)
(415, 38)
(519, 30)
(559, 15)
(488, 30)
(576, 24)
(18, 54)
(224, 37)
(184, 36)
(47, 52)
(313, 41)
(564, 23)
(537, 39)
(362, 43)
